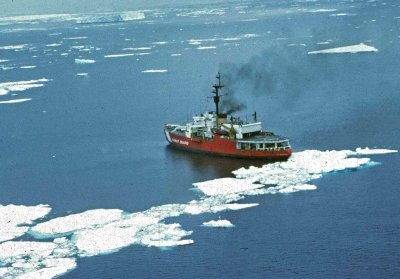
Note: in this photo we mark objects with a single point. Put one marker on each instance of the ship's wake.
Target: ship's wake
(60, 241)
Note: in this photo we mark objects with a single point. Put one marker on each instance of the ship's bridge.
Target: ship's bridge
(243, 129)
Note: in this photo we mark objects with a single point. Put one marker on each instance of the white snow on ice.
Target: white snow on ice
(346, 49)
(101, 231)
(219, 224)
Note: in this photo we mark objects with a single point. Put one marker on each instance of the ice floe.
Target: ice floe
(137, 48)
(14, 218)
(342, 14)
(31, 259)
(226, 185)
(82, 74)
(206, 47)
(84, 61)
(159, 43)
(219, 224)
(346, 49)
(23, 85)
(367, 151)
(111, 17)
(118, 55)
(155, 71)
(15, 101)
(322, 10)
(99, 231)
(63, 225)
(75, 38)
(14, 47)
(217, 38)
(53, 45)
(201, 12)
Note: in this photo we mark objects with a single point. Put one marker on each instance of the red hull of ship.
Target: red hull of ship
(223, 147)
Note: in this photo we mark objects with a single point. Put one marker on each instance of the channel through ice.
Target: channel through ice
(62, 240)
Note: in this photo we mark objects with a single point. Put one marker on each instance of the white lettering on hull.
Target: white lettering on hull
(180, 142)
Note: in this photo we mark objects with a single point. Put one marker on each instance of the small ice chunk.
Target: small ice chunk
(219, 224)
(75, 38)
(137, 48)
(84, 61)
(206, 47)
(155, 71)
(15, 101)
(53, 45)
(118, 55)
(13, 47)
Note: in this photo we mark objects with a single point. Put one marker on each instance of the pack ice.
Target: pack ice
(62, 240)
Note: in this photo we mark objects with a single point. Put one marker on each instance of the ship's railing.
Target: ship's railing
(257, 146)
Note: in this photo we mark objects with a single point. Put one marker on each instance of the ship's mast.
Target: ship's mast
(217, 87)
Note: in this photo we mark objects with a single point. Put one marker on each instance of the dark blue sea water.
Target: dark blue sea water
(96, 141)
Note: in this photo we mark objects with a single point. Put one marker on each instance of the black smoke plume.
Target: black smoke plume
(277, 72)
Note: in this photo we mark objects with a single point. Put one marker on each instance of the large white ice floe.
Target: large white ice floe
(101, 231)
(22, 85)
(74, 222)
(346, 49)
